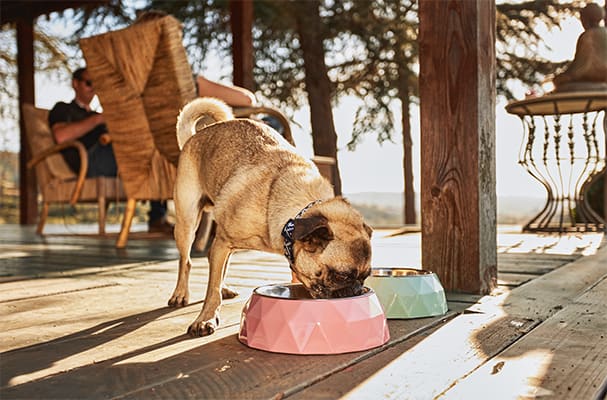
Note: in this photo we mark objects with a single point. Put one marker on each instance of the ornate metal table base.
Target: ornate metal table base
(564, 149)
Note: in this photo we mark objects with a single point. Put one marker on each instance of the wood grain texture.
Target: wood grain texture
(435, 363)
(543, 296)
(457, 106)
(564, 358)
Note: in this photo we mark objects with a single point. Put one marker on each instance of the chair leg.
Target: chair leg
(127, 219)
(101, 204)
(102, 212)
(42, 219)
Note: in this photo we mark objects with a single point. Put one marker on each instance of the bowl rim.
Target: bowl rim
(399, 272)
(368, 292)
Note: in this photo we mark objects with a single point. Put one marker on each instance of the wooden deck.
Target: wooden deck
(83, 320)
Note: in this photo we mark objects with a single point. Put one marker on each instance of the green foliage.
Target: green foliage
(49, 58)
(93, 20)
(206, 26)
(379, 41)
(371, 50)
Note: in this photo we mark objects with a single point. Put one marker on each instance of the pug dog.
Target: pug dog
(264, 196)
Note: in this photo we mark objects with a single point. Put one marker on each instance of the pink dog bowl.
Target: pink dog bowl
(283, 318)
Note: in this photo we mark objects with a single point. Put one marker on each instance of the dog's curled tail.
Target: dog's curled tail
(199, 113)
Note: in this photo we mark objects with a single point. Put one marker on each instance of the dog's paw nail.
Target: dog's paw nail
(194, 330)
(209, 328)
(178, 302)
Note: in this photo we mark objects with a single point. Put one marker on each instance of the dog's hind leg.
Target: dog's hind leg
(205, 232)
(188, 211)
(208, 320)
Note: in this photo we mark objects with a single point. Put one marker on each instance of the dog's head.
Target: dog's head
(332, 250)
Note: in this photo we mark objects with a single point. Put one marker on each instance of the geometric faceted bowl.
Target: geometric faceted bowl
(283, 318)
(407, 292)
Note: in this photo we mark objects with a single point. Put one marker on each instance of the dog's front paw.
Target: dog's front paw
(203, 328)
(179, 299)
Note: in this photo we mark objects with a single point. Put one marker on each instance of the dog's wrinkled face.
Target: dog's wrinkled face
(332, 255)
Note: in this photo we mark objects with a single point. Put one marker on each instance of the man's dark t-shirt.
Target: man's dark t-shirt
(72, 112)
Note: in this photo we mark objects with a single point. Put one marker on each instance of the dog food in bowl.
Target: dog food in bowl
(407, 292)
(283, 318)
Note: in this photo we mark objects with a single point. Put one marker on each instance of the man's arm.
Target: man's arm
(234, 96)
(64, 131)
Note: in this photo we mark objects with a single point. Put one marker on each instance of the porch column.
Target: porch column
(457, 106)
(28, 211)
(241, 22)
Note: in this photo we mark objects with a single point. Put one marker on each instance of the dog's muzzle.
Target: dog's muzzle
(321, 291)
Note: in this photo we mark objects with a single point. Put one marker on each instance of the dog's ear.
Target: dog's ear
(368, 229)
(313, 232)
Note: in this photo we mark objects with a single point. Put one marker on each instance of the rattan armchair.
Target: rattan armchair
(56, 181)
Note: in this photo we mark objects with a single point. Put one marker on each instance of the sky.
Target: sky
(378, 168)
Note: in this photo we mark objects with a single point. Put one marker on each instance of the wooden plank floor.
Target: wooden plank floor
(83, 320)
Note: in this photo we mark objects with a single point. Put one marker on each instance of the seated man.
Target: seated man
(77, 121)
(588, 70)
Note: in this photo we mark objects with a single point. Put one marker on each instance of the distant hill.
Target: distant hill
(518, 209)
(385, 209)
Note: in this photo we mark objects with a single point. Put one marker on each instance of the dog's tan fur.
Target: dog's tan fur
(255, 181)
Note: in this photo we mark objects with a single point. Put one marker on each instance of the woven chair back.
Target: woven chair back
(143, 79)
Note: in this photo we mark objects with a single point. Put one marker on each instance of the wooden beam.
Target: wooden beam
(28, 212)
(457, 106)
(241, 22)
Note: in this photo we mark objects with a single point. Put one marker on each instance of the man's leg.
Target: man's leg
(157, 221)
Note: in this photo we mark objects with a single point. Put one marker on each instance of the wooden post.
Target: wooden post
(457, 106)
(28, 212)
(605, 169)
(241, 22)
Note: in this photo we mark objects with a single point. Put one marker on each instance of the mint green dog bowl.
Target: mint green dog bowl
(407, 292)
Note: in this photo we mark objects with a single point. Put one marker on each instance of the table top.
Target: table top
(560, 103)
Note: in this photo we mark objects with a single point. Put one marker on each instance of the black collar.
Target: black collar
(287, 233)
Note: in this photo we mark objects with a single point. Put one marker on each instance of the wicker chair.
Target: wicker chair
(142, 84)
(143, 79)
(56, 181)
